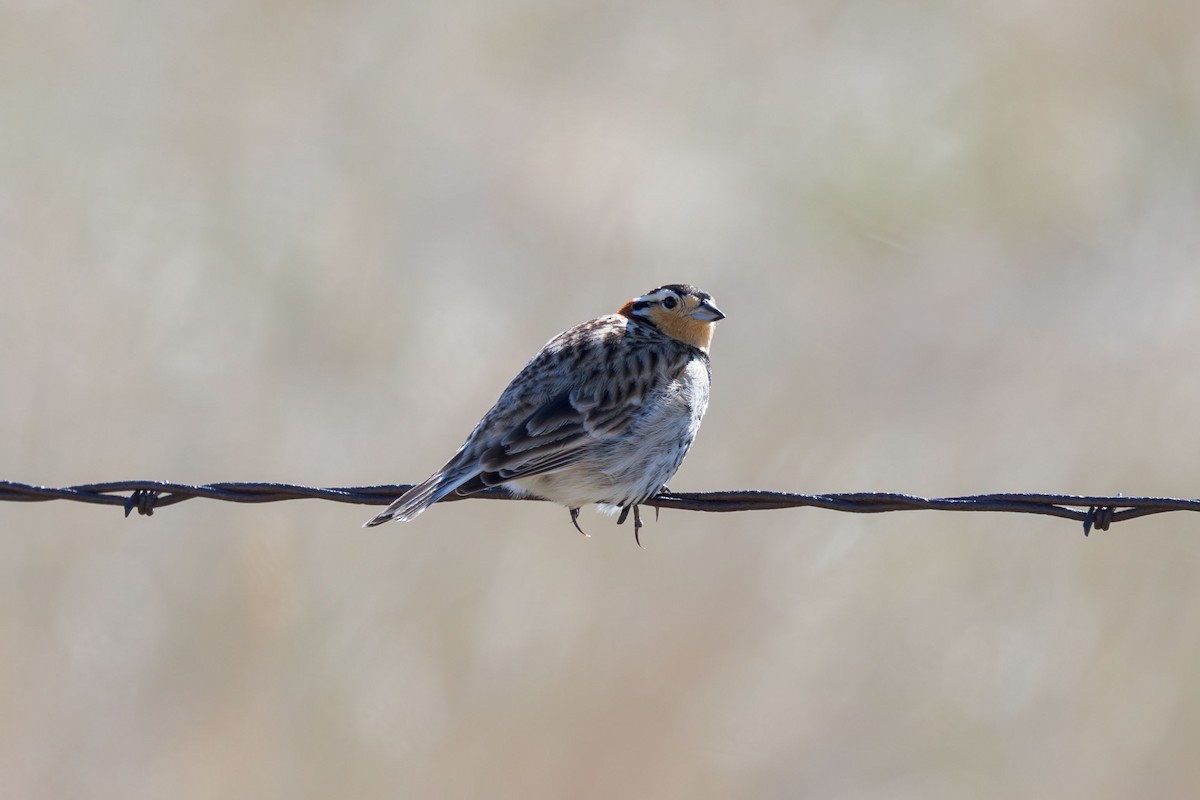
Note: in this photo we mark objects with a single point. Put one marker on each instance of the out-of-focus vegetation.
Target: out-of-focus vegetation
(959, 248)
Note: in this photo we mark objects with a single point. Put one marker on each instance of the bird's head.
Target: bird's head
(680, 311)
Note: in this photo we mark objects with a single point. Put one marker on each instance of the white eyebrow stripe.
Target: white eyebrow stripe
(657, 296)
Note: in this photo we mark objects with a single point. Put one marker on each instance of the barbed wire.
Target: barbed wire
(147, 496)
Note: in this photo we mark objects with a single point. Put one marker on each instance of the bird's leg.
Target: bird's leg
(624, 515)
(575, 521)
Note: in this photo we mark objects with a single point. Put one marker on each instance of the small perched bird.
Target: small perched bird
(604, 413)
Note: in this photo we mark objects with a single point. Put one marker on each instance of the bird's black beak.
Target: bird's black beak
(707, 312)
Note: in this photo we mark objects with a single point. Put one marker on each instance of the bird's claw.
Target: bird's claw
(661, 490)
(637, 521)
(575, 522)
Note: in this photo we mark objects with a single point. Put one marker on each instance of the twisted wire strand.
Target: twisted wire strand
(146, 496)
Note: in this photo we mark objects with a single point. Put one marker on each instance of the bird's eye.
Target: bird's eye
(670, 303)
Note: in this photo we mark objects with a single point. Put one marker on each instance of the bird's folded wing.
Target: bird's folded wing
(556, 434)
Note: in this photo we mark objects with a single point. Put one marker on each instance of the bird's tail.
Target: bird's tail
(420, 497)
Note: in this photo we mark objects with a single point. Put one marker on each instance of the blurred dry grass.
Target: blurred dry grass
(958, 245)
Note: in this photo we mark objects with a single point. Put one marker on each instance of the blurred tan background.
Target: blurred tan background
(959, 248)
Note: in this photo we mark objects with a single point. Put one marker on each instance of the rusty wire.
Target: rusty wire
(147, 496)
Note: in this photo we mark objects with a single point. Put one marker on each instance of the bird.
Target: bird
(604, 413)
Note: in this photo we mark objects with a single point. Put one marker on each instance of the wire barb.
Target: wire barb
(148, 496)
(1098, 517)
(143, 500)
